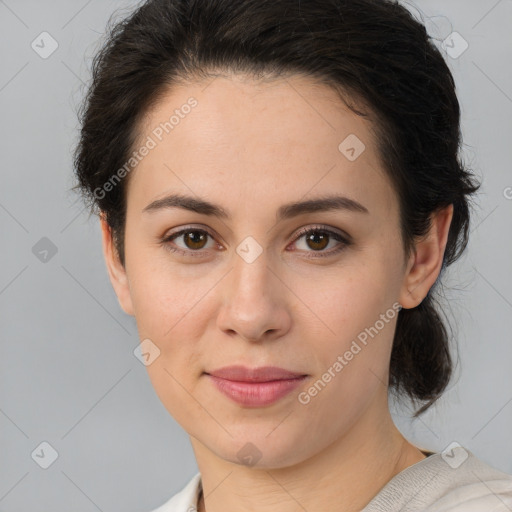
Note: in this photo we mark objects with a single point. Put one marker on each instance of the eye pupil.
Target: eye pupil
(318, 238)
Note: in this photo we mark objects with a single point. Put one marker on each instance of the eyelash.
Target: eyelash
(344, 242)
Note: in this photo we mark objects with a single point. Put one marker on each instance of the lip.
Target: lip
(255, 387)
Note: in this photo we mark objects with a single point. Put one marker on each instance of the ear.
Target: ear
(425, 263)
(116, 270)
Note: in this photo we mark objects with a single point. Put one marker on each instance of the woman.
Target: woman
(279, 189)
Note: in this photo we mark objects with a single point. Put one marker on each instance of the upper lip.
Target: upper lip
(261, 374)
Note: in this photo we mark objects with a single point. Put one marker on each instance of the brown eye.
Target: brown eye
(189, 241)
(195, 239)
(317, 240)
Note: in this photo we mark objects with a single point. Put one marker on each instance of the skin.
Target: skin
(251, 147)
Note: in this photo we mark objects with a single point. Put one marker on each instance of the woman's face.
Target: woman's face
(247, 288)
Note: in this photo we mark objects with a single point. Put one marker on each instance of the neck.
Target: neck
(349, 472)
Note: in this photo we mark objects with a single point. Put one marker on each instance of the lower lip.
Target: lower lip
(256, 394)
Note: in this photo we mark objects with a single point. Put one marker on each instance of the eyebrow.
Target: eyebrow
(286, 211)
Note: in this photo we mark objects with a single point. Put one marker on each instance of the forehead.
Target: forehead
(242, 141)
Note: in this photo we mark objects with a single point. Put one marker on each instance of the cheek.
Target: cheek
(174, 387)
(358, 315)
(164, 299)
(352, 299)
(172, 310)
(353, 363)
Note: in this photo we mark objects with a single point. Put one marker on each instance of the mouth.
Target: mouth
(255, 387)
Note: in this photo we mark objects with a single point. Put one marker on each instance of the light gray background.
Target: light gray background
(67, 369)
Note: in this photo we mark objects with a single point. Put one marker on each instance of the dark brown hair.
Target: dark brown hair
(373, 51)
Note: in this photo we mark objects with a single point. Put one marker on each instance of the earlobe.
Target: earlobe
(426, 260)
(116, 270)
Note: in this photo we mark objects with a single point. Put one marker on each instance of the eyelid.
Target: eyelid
(167, 239)
(323, 228)
(344, 240)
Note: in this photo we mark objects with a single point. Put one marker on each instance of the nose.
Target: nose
(254, 304)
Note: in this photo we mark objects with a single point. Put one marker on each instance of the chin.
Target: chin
(261, 450)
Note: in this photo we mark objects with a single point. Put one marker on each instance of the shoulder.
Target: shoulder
(185, 500)
(472, 486)
(451, 481)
